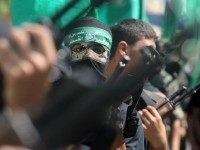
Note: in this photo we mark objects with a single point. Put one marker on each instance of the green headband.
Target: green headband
(88, 34)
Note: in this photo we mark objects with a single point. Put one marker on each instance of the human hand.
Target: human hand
(154, 129)
(25, 62)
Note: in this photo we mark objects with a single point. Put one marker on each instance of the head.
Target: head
(89, 39)
(90, 42)
(131, 31)
(129, 36)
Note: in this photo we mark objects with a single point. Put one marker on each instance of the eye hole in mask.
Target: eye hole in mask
(97, 48)
(78, 48)
(92, 51)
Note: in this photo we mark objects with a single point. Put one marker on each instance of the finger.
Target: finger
(39, 63)
(10, 63)
(20, 41)
(145, 121)
(144, 127)
(43, 41)
(140, 112)
(148, 115)
(153, 111)
(7, 55)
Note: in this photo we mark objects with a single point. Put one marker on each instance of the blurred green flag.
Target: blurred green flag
(32, 10)
(193, 19)
(116, 10)
(185, 13)
(110, 12)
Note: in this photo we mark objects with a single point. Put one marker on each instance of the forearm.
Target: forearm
(160, 146)
(176, 142)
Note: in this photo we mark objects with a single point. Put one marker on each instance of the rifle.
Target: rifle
(180, 95)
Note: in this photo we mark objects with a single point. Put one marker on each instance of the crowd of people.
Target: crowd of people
(91, 92)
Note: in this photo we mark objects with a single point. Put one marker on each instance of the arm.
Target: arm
(25, 62)
(154, 129)
(178, 132)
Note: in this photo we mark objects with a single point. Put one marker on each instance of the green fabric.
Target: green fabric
(173, 11)
(193, 19)
(193, 12)
(110, 13)
(173, 14)
(117, 10)
(195, 78)
(88, 34)
(32, 10)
